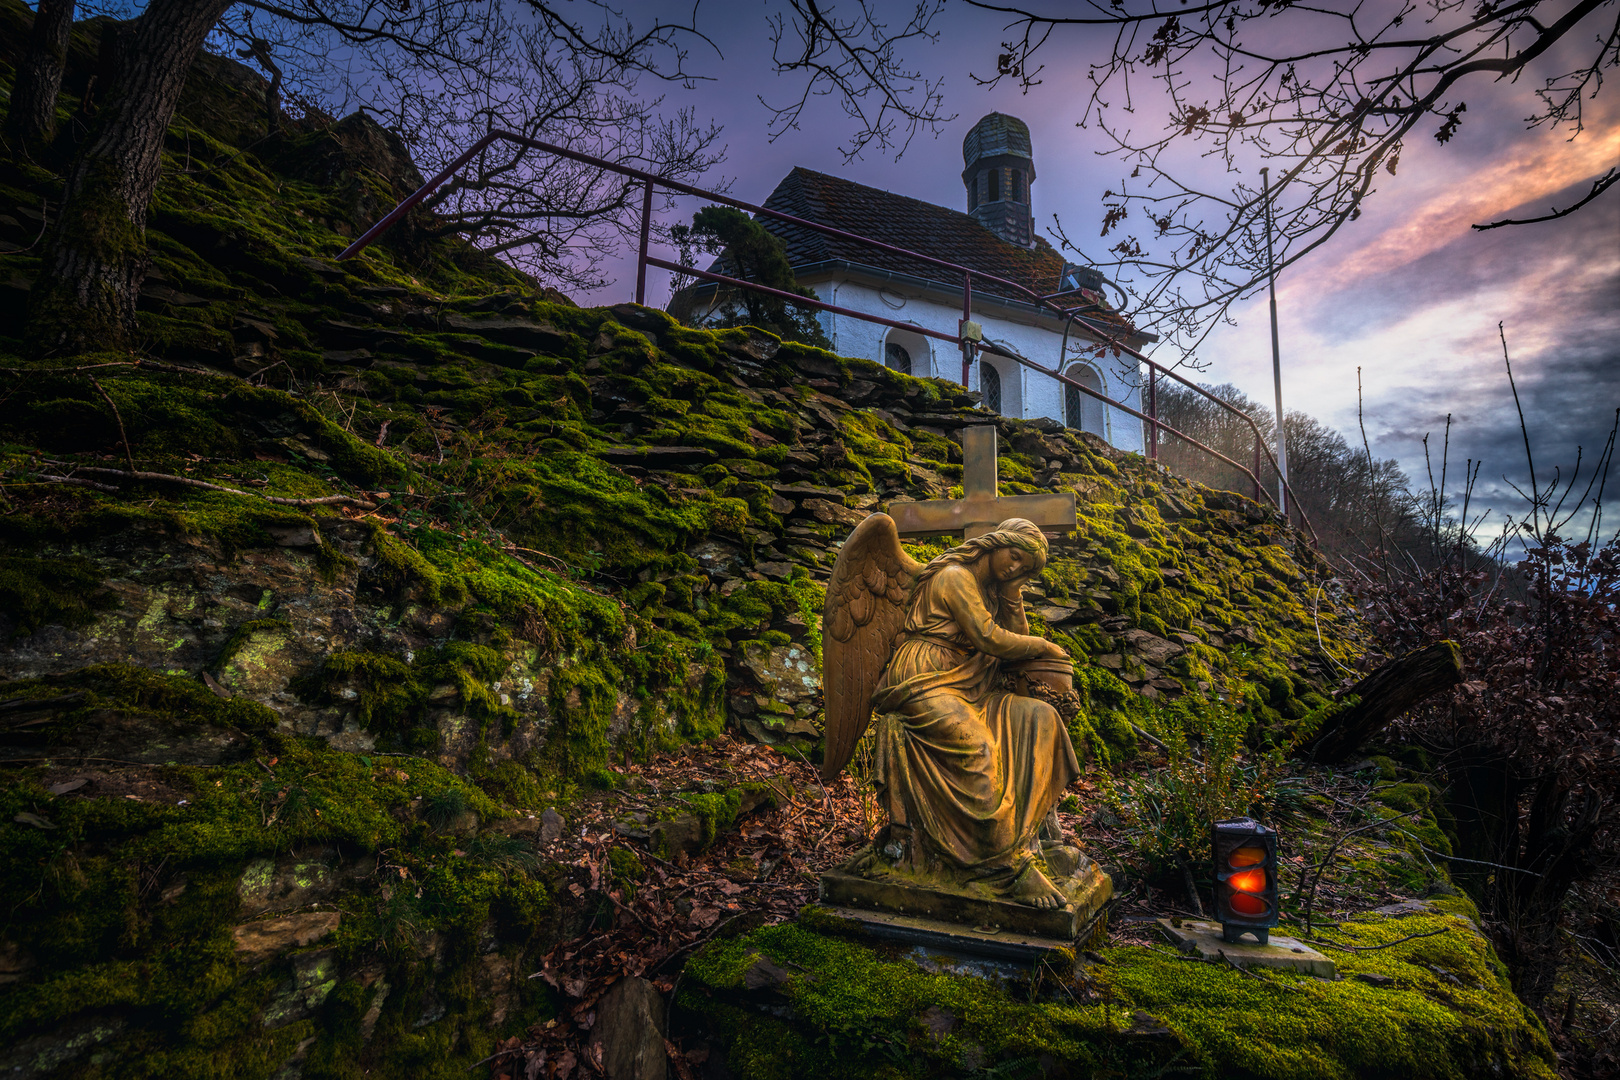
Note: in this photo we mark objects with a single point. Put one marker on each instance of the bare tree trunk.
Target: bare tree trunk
(31, 119)
(1527, 864)
(1386, 694)
(85, 296)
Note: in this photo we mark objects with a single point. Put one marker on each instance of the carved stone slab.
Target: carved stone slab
(935, 938)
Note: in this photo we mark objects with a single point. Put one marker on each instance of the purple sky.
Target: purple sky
(1409, 293)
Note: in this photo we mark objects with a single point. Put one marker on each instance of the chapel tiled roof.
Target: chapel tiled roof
(904, 222)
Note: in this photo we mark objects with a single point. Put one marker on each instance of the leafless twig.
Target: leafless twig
(186, 481)
(123, 435)
(1385, 945)
(1599, 186)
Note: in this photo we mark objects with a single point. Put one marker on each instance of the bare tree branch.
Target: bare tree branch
(441, 74)
(857, 60)
(1599, 186)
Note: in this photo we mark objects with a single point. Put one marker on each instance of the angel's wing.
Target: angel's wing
(862, 617)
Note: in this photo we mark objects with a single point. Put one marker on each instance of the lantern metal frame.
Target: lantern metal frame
(1227, 837)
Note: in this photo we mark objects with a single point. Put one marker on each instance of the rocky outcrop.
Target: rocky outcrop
(268, 938)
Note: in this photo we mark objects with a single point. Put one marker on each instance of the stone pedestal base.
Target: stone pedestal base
(977, 910)
(945, 946)
(1282, 953)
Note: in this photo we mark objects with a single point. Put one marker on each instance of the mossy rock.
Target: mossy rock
(788, 1001)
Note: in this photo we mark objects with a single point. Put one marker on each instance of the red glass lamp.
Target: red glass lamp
(1245, 878)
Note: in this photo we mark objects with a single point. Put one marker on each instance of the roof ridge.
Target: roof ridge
(897, 195)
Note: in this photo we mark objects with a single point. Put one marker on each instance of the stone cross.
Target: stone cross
(980, 510)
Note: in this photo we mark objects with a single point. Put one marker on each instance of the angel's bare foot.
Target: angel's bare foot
(1034, 888)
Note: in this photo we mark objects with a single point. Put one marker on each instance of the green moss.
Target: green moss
(851, 1013)
(39, 592)
(1423, 1026)
(384, 688)
(716, 811)
(510, 783)
(81, 896)
(440, 569)
(845, 1010)
(601, 779)
(139, 692)
(739, 617)
(1405, 798)
(389, 693)
(243, 635)
(626, 870)
(233, 522)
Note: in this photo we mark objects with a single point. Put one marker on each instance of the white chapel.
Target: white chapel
(996, 235)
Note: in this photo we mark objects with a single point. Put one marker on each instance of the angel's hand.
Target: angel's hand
(1054, 650)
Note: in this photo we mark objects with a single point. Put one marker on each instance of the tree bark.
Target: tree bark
(1551, 848)
(31, 119)
(96, 257)
(1386, 694)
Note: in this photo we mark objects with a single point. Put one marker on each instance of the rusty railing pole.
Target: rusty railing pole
(967, 316)
(1276, 353)
(641, 259)
(1153, 411)
(1256, 473)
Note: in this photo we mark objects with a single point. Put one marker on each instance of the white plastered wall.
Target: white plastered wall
(1024, 393)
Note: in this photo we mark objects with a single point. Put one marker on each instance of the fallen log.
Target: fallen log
(1385, 694)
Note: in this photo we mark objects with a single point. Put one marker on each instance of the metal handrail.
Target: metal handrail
(1100, 396)
(721, 279)
(651, 180)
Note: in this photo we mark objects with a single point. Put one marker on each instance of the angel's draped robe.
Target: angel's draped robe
(973, 768)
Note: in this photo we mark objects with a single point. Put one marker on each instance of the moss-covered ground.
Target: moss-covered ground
(121, 908)
(1424, 997)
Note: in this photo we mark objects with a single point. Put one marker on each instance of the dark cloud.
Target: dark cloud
(1550, 258)
(1568, 387)
(1556, 288)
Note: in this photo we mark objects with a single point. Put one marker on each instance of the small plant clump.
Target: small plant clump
(1209, 775)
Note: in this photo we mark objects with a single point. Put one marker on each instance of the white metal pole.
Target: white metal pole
(1276, 352)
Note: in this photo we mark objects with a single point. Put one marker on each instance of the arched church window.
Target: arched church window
(995, 185)
(896, 357)
(1082, 411)
(990, 383)
(1016, 187)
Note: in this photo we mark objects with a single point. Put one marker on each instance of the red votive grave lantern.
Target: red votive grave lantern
(1245, 878)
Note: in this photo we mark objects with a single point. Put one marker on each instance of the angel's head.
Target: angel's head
(1016, 550)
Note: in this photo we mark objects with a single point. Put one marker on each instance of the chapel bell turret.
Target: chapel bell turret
(999, 169)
